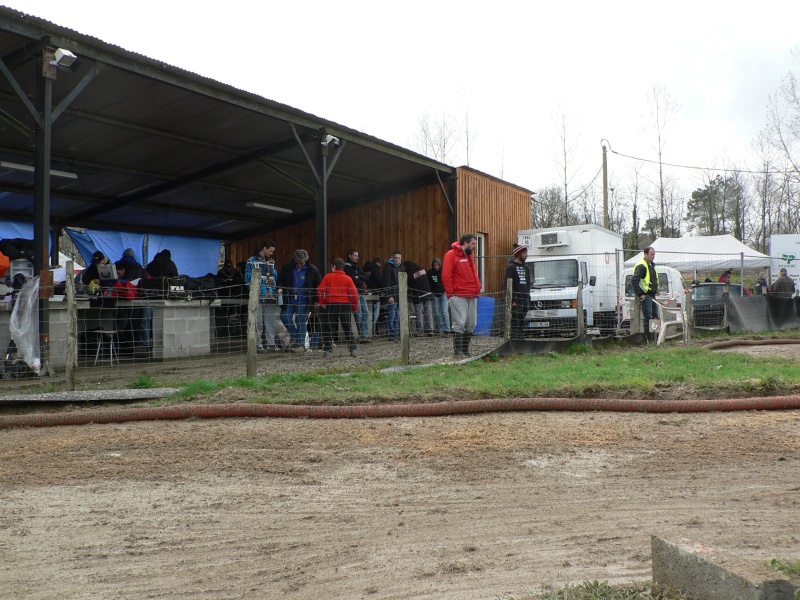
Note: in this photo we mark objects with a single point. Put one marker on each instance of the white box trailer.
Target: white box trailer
(563, 260)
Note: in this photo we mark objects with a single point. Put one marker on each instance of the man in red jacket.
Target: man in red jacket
(338, 297)
(463, 287)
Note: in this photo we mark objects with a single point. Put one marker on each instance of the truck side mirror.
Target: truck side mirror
(592, 280)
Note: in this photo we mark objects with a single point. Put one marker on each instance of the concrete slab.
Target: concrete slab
(714, 574)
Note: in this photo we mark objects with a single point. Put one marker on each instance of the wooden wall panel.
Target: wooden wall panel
(496, 209)
(414, 222)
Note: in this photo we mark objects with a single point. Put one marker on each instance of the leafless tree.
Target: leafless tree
(663, 111)
(436, 138)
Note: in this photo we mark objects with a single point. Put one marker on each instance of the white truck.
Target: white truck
(563, 260)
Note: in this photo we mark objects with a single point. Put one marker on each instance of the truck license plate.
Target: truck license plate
(540, 324)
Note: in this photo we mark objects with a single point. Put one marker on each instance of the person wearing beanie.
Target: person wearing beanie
(440, 310)
(519, 275)
(133, 270)
(298, 281)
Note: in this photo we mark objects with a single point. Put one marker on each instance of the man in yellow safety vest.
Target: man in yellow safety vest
(645, 284)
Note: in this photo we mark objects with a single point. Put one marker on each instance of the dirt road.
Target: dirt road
(444, 508)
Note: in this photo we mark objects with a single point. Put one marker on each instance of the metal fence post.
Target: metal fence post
(252, 322)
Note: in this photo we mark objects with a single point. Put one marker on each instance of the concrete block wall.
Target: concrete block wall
(181, 330)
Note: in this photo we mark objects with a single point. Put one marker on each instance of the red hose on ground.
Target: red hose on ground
(212, 411)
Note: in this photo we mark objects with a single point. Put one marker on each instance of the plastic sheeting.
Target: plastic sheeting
(762, 313)
(194, 257)
(24, 324)
(110, 243)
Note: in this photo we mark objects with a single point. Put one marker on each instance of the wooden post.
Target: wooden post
(252, 322)
(71, 349)
(686, 308)
(579, 313)
(404, 336)
(509, 301)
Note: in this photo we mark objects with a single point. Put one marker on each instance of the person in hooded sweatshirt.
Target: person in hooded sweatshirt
(520, 277)
(338, 299)
(440, 310)
(420, 291)
(463, 288)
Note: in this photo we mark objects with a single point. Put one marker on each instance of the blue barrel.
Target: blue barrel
(485, 316)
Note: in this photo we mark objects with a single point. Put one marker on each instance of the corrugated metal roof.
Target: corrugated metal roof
(156, 148)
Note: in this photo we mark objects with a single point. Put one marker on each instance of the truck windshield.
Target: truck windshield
(554, 273)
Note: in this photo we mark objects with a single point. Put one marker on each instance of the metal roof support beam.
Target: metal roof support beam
(172, 184)
(287, 176)
(87, 79)
(41, 204)
(305, 153)
(21, 93)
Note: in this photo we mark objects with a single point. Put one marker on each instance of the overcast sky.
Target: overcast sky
(514, 68)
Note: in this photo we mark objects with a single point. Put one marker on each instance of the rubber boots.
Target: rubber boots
(465, 339)
(458, 338)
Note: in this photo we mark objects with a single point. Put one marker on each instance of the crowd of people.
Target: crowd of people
(443, 297)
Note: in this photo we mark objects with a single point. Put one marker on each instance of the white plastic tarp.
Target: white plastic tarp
(706, 253)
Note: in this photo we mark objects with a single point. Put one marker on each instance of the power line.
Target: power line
(655, 162)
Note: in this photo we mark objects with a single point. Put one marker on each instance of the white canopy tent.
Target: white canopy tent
(707, 253)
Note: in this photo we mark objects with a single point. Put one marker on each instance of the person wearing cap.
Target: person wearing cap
(298, 281)
(90, 273)
(440, 310)
(784, 285)
(519, 275)
(463, 288)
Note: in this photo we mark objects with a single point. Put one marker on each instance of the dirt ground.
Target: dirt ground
(448, 508)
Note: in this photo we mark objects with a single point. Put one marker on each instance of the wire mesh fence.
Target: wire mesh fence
(178, 329)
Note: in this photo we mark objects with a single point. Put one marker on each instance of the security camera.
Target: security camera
(330, 140)
(63, 58)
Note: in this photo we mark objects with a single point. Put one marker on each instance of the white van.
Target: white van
(671, 293)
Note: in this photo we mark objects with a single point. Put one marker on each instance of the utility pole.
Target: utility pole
(605, 188)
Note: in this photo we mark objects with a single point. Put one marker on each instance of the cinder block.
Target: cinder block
(690, 571)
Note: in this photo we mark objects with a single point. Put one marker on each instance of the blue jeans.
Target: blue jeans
(295, 318)
(649, 309)
(362, 317)
(441, 310)
(393, 320)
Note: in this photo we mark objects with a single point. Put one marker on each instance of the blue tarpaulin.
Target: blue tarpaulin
(193, 256)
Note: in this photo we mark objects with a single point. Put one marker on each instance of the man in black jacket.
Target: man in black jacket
(420, 291)
(391, 282)
(361, 281)
(375, 287)
(519, 275)
(298, 281)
